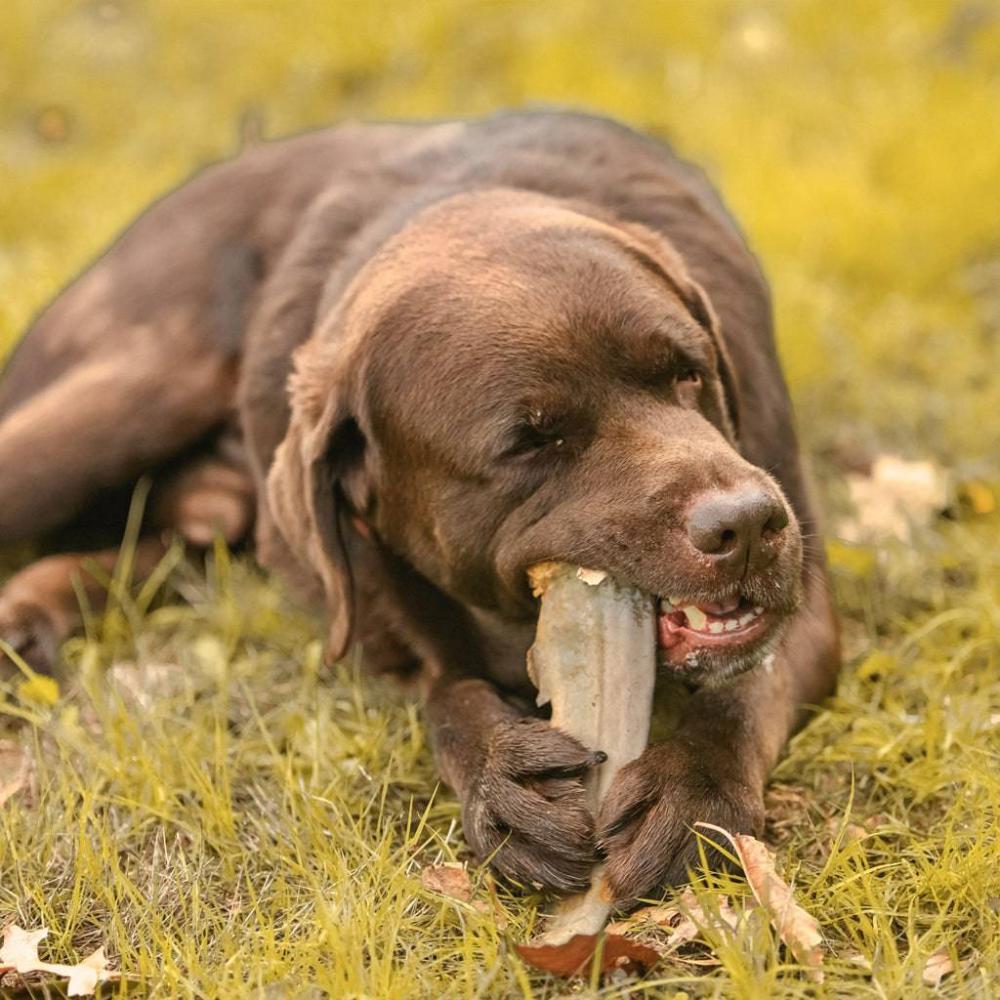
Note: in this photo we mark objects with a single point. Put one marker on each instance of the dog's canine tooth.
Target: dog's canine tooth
(696, 617)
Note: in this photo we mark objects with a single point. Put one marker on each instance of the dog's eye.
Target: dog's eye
(537, 432)
(689, 375)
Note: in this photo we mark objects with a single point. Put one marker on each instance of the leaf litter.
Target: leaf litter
(635, 943)
(15, 768)
(796, 927)
(937, 967)
(448, 879)
(19, 954)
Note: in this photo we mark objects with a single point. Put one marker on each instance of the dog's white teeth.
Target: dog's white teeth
(697, 618)
(701, 621)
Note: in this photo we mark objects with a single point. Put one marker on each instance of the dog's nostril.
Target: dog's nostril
(778, 521)
(727, 538)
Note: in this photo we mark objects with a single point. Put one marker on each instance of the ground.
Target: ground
(227, 816)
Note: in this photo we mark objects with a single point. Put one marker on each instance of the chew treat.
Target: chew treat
(594, 659)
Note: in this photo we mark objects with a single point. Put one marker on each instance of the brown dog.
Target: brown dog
(532, 337)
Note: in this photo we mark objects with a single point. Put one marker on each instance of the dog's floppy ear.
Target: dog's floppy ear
(322, 449)
(656, 253)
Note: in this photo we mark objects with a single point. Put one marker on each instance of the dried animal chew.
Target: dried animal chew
(594, 659)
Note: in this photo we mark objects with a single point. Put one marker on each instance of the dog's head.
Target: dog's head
(513, 380)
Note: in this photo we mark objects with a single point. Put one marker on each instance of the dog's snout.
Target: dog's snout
(737, 528)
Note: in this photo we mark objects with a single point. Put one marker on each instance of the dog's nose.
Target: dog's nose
(737, 528)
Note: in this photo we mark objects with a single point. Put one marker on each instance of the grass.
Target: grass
(232, 820)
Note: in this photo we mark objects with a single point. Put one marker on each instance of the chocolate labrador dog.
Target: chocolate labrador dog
(409, 362)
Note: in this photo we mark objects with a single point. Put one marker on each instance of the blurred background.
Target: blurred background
(858, 143)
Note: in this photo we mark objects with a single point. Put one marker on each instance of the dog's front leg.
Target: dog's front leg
(519, 781)
(714, 766)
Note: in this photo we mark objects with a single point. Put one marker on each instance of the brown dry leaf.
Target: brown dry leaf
(574, 958)
(14, 768)
(449, 879)
(937, 967)
(797, 928)
(661, 916)
(681, 924)
(877, 820)
(20, 954)
(850, 832)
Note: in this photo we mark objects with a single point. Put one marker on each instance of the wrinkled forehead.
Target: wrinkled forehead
(495, 301)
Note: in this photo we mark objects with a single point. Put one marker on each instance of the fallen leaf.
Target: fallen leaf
(797, 928)
(675, 926)
(575, 957)
(661, 916)
(20, 954)
(724, 914)
(84, 977)
(849, 832)
(896, 497)
(878, 820)
(979, 496)
(20, 947)
(937, 967)
(449, 879)
(14, 767)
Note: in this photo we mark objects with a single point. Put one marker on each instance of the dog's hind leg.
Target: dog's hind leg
(40, 605)
(101, 425)
(207, 496)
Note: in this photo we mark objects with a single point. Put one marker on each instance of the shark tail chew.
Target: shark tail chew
(594, 660)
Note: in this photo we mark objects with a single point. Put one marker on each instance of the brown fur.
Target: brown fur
(531, 337)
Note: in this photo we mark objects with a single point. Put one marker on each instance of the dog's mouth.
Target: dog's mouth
(707, 641)
(686, 628)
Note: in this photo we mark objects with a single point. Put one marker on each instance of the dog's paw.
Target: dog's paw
(646, 826)
(32, 633)
(527, 812)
